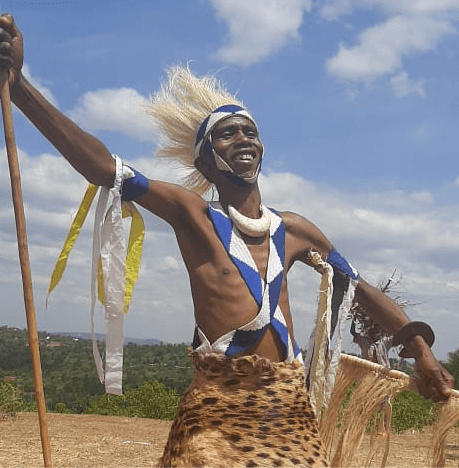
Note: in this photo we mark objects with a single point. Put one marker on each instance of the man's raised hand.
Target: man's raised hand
(433, 381)
(11, 48)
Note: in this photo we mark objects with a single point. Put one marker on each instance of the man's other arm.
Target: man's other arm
(434, 381)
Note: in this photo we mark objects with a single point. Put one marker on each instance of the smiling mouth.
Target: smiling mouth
(246, 165)
(244, 157)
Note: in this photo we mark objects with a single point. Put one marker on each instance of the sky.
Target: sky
(356, 105)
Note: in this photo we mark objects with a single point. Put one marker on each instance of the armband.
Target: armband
(407, 332)
(134, 184)
(339, 262)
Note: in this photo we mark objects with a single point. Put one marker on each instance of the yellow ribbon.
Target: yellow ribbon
(72, 236)
(134, 250)
(133, 257)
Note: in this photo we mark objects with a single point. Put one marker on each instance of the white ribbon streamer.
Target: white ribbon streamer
(109, 246)
(323, 350)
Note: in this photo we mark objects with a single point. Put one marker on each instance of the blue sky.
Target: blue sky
(356, 104)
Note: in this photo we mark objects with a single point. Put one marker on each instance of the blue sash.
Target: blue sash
(265, 292)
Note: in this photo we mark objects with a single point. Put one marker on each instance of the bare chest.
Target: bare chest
(226, 274)
(259, 251)
(227, 271)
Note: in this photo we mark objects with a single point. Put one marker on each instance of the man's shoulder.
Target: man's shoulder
(175, 204)
(302, 228)
(294, 221)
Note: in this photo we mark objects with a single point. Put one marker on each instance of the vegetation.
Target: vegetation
(11, 401)
(452, 365)
(150, 400)
(69, 374)
(154, 378)
(411, 410)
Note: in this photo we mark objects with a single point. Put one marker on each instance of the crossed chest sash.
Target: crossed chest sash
(265, 292)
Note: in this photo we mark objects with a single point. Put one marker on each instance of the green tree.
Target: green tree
(150, 400)
(11, 401)
(452, 365)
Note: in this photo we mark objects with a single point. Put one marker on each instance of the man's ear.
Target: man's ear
(204, 166)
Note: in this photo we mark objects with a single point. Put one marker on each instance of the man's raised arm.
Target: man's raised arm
(83, 151)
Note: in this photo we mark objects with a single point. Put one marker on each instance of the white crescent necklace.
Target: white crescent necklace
(249, 226)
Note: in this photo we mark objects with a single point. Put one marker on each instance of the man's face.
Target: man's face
(236, 141)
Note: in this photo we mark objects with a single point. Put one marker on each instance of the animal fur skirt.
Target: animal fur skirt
(242, 412)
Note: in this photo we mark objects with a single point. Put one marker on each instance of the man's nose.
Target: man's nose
(242, 136)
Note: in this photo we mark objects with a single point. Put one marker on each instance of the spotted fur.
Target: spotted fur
(244, 412)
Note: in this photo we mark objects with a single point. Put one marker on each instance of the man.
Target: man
(247, 405)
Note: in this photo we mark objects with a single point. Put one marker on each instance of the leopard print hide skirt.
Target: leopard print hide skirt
(244, 412)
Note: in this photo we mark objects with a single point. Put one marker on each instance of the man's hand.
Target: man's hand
(434, 381)
(11, 49)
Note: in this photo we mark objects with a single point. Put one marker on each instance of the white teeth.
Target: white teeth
(246, 157)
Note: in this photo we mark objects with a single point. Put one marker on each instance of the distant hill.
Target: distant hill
(101, 337)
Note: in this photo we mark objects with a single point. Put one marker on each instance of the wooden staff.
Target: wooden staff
(25, 263)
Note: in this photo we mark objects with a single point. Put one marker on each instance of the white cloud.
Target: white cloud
(115, 110)
(422, 6)
(168, 263)
(408, 225)
(423, 197)
(457, 181)
(404, 86)
(333, 9)
(401, 200)
(381, 48)
(258, 28)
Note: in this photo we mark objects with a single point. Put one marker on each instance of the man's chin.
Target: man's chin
(249, 179)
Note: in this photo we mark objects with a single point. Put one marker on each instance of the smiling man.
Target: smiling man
(248, 404)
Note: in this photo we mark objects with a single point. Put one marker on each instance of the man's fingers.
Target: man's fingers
(6, 50)
(7, 19)
(436, 387)
(7, 25)
(444, 382)
(5, 35)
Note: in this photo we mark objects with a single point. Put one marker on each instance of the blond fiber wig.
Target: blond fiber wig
(179, 108)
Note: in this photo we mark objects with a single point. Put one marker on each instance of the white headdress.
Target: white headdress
(179, 108)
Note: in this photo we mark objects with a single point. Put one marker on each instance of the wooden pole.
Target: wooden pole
(25, 263)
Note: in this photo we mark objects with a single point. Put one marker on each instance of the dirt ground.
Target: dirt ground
(107, 441)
